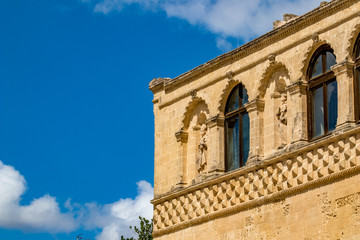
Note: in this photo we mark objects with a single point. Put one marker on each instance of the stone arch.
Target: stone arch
(272, 69)
(225, 94)
(271, 90)
(195, 117)
(352, 41)
(191, 106)
(310, 52)
(205, 97)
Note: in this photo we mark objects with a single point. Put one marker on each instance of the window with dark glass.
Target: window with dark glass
(237, 123)
(323, 107)
(357, 77)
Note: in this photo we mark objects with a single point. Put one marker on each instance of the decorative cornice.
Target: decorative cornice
(318, 163)
(323, 3)
(157, 84)
(269, 38)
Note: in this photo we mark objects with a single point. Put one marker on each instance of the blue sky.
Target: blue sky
(76, 120)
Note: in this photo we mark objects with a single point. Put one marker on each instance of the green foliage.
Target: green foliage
(144, 232)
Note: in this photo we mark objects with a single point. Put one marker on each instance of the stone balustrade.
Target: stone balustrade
(294, 170)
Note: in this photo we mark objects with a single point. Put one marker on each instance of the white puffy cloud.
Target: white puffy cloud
(242, 19)
(236, 18)
(114, 219)
(44, 215)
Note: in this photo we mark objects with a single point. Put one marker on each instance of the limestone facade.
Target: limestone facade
(293, 185)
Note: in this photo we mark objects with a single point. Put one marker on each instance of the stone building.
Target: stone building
(263, 142)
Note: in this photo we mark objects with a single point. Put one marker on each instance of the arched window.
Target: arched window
(356, 57)
(236, 129)
(322, 93)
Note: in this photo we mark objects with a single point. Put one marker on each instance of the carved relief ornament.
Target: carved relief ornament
(298, 87)
(181, 136)
(255, 105)
(215, 121)
(346, 67)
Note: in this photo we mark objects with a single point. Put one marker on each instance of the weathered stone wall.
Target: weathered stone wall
(311, 168)
(317, 213)
(288, 178)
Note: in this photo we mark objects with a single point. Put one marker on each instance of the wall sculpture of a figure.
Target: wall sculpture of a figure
(282, 117)
(201, 160)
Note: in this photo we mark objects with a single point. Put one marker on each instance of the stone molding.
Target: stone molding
(230, 76)
(271, 37)
(157, 84)
(226, 92)
(272, 68)
(353, 36)
(216, 121)
(317, 163)
(304, 67)
(181, 136)
(298, 87)
(192, 104)
(255, 105)
(344, 67)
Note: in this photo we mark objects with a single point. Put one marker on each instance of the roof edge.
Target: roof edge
(269, 37)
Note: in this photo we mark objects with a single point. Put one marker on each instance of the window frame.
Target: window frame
(322, 80)
(239, 114)
(356, 59)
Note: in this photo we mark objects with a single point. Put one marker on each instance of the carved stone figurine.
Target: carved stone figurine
(282, 117)
(202, 148)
